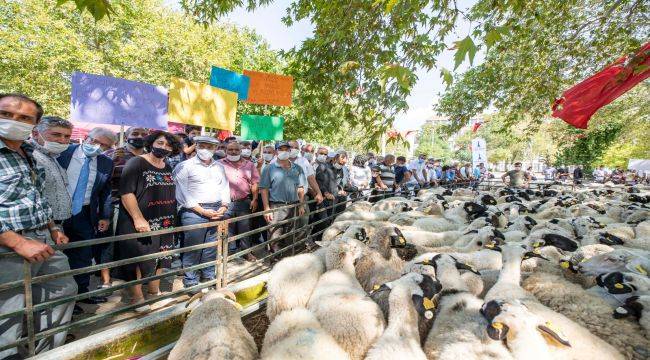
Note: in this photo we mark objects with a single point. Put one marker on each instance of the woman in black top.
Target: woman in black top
(148, 203)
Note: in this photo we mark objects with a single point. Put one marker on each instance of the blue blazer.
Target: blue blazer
(100, 198)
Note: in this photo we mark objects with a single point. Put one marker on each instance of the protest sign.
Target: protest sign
(107, 100)
(260, 127)
(269, 89)
(231, 81)
(175, 128)
(202, 105)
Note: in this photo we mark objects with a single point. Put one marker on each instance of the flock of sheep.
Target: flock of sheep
(501, 274)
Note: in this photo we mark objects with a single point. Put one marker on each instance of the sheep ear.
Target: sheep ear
(194, 298)
(553, 336)
(560, 242)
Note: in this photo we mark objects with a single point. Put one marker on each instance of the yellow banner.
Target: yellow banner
(202, 105)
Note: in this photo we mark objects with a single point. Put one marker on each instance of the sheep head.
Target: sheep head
(634, 306)
(623, 283)
(617, 260)
(214, 294)
(449, 260)
(509, 319)
(558, 241)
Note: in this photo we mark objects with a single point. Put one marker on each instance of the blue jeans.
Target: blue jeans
(239, 208)
(197, 237)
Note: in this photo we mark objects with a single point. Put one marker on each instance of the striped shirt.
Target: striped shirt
(387, 175)
(22, 205)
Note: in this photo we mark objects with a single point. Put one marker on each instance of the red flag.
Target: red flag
(476, 126)
(578, 104)
(223, 134)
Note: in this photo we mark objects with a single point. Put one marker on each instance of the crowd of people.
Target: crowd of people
(55, 191)
(600, 174)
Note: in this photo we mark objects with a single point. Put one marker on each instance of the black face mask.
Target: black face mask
(137, 143)
(160, 153)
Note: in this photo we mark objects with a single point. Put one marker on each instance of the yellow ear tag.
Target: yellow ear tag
(497, 325)
(537, 244)
(564, 264)
(426, 262)
(490, 245)
(537, 251)
(428, 303)
(640, 269)
(376, 287)
(618, 285)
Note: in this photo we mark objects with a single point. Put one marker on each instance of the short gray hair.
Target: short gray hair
(100, 131)
(128, 131)
(48, 122)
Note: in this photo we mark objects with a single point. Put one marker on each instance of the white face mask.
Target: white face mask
(14, 130)
(267, 157)
(246, 153)
(309, 156)
(321, 158)
(294, 153)
(338, 166)
(54, 148)
(204, 154)
(233, 158)
(283, 155)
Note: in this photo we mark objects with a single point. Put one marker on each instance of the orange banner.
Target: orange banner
(269, 89)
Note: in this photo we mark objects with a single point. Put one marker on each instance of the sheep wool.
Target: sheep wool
(297, 335)
(214, 331)
(291, 282)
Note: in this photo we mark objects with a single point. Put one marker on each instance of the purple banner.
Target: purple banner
(108, 100)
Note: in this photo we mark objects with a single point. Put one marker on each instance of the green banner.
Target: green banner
(261, 127)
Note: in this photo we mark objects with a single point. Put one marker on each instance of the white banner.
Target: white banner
(479, 152)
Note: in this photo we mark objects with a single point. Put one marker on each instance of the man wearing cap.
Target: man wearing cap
(203, 195)
(282, 183)
(243, 178)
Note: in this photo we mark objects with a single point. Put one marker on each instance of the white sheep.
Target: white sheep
(340, 303)
(527, 336)
(401, 339)
(291, 282)
(214, 331)
(588, 310)
(459, 329)
(297, 335)
(379, 262)
(507, 288)
(631, 260)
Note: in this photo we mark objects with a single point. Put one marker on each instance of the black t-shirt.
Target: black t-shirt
(155, 191)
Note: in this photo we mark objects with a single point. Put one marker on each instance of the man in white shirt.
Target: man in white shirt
(203, 195)
(417, 167)
(600, 174)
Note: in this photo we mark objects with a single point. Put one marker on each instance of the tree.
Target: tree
(547, 47)
(433, 144)
(43, 44)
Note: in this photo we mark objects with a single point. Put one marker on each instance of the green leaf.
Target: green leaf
(492, 37)
(403, 75)
(389, 6)
(348, 66)
(465, 47)
(97, 8)
(447, 77)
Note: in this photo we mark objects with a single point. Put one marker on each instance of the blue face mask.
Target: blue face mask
(91, 150)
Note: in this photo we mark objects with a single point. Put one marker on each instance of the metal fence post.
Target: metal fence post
(29, 307)
(222, 233)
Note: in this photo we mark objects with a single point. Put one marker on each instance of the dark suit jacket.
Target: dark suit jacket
(100, 198)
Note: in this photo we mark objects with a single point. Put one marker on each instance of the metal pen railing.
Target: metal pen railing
(221, 266)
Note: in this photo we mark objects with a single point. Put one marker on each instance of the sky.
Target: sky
(267, 21)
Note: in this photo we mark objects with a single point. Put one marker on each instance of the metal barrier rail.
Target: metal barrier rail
(222, 258)
(220, 263)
